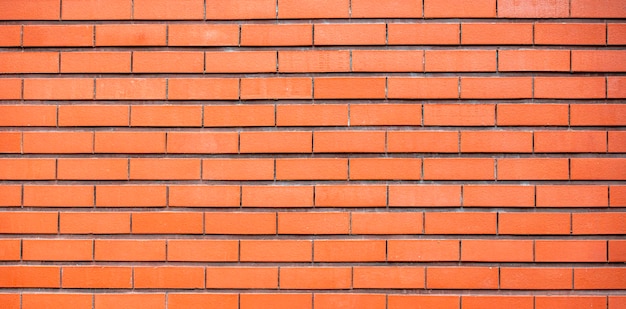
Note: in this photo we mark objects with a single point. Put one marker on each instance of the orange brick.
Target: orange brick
(276, 88)
(130, 89)
(534, 223)
(497, 34)
(423, 34)
(131, 35)
(168, 277)
(533, 169)
(245, 9)
(276, 35)
(617, 196)
(240, 62)
(10, 195)
(598, 168)
(478, 250)
(94, 115)
(29, 62)
(276, 250)
(395, 301)
(462, 277)
(94, 223)
(96, 9)
(609, 278)
(95, 62)
(349, 88)
(166, 116)
(460, 61)
(387, 60)
(238, 169)
(616, 34)
(202, 35)
(316, 278)
(201, 250)
(543, 278)
(11, 301)
(57, 142)
(275, 142)
(423, 88)
(349, 141)
(424, 195)
(345, 301)
(534, 9)
(598, 61)
(533, 114)
(615, 87)
(597, 114)
(112, 301)
(30, 276)
(10, 35)
(293, 9)
(574, 302)
(595, 9)
(238, 115)
(570, 250)
(318, 223)
(129, 142)
(349, 251)
(312, 115)
(350, 196)
(459, 9)
(269, 301)
(570, 34)
(27, 169)
(58, 196)
(202, 142)
(312, 169)
(277, 196)
(570, 141)
(167, 223)
(570, 87)
(387, 223)
(617, 250)
(617, 141)
(459, 169)
(240, 223)
(58, 89)
(131, 196)
(496, 87)
(572, 196)
(385, 169)
(203, 196)
(129, 250)
(92, 169)
(422, 141)
(534, 60)
(349, 34)
(422, 250)
(475, 302)
(615, 302)
(73, 300)
(598, 223)
(26, 10)
(57, 249)
(459, 114)
(164, 169)
(385, 9)
(97, 277)
(242, 277)
(57, 35)
(168, 62)
(168, 9)
(498, 196)
(385, 114)
(496, 141)
(460, 223)
(10, 88)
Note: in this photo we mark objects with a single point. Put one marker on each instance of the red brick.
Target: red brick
(168, 62)
(497, 34)
(130, 301)
(396, 301)
(168, 9)
(616, 34)
(11, 301)
(599, 223)
(276, 35)
(10, 88)
(246, 9)
(240, 62)
(240, 223)
(479, 250)
(498, 196)
(460, 61)
(57, 249)
(597, 9)
(168, 277)
(615, 87)
(574, 302)
(460, 223)
(534, 223)
(617, 141)
(462, 277)
(27, 169)
(276, 88)
(57, 142)
(423, 34)
(30, 276)
(349, 34)
(58, 89)
(276, 250)
(349, 88)
(572, 196)
(293, 9)
(311, 115)
(312, 169)
(10, 195)
(385, 169)
(459, 9)
(242, 277)
(534, 60)
(385, 9)
(275, 142)
(131, 35)
(387, 61)
(202, 35)
(570, 34)
(423, 88)
(606, 278)
(167, 223)
(387, 223)
(72, 300)
(617, 196)
(570, 87)
(349, 141)
(58, 196)
(129, 250)
(350, 196)
(29, 62)
(95, 62)
(496, 87)
(164, 169)
(96, 9)
(131, 196)
(475, 302)
(130, 89)
(166, 116)
(597, 114)
(92, 169)
(277, 196)
(615, 302)
(598, 168)
(422, 141)
(30, 10)
(202, 142)
(94, 115)
(319, 223)
(203, 196)
(97, 277)
(129, 142)
(238, 115)
(270, 301)
(459, 169)
(385, 114)
(238, 169)
(570, 251)
(534, 9)
(422, 250)
(10, 35)
(349, 250)
(94, 222)
(533, 114)
(459, 114)
(496, 141)
(202, 250)
(424, 195)
(315, 278)
(57, 35)
(617, 251)
(570, 141)
(533, 169)
(345, 301)
(598, 61)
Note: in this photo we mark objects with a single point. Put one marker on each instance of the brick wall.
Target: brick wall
(243, 154)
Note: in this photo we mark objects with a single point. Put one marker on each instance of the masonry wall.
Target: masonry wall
(377, 154)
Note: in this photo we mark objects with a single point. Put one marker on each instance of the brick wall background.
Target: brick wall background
(244, 154)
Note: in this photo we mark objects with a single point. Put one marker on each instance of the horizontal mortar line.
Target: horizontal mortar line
(388, 128)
